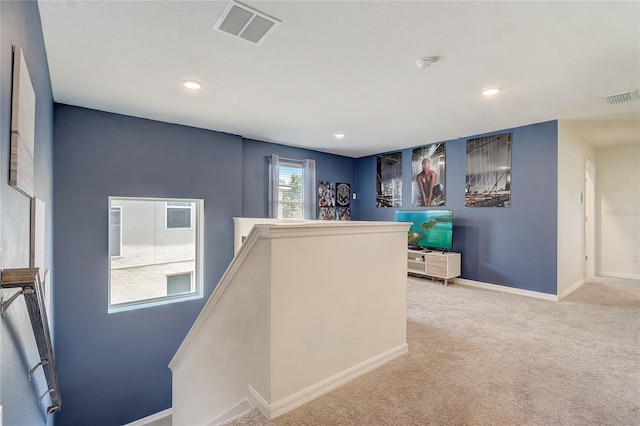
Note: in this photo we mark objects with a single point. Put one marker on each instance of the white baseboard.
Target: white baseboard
(312, 392)
(571, 289)
(505, 289)
(151, 418)
(239, 409)
(259, 402)
(617, 275)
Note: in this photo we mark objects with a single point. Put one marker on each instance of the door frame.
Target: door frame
(590, 219)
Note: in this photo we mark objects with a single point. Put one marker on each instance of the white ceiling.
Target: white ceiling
(349, 66)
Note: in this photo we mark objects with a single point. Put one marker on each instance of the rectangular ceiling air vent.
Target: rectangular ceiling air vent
(242, 21)
(619, 98)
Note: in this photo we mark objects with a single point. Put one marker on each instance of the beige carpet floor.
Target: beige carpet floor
(479, 357)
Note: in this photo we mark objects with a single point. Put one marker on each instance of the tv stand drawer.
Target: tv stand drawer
(434, 264)
(443, 265)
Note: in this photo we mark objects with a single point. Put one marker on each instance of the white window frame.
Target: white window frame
(197, 220)
(177, 274)
(167, 207)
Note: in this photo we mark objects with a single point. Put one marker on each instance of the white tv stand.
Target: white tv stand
(435, 264)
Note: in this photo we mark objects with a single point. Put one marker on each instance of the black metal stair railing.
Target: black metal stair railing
(28, 281)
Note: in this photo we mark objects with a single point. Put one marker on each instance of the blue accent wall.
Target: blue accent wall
(106, 361)
(329, 167)
(514, 246)
(114, 367)
(20, 26)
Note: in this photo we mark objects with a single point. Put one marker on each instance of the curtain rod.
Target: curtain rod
(290, 160)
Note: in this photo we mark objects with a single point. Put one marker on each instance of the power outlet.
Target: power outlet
(634, 258)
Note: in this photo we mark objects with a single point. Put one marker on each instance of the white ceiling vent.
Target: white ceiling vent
(246, 23)
(619, 98)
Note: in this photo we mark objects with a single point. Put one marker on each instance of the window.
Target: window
(115, 232)
(178, 214)
(292, 192)
(155, 248)
(179, 283)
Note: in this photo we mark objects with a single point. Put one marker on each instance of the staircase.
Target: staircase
(302, 309)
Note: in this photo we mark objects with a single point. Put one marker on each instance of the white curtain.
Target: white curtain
(309, 191)
(308, 184)
(274, 179)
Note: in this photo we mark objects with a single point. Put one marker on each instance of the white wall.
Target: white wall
(145, 238)
(146, 282)
(228, 347)
(302, 309)
(618, 207)
(243, 225)
(336, 302)
(573, 153)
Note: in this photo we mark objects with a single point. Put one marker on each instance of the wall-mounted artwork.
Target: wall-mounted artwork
(326, 194)
(389, 180)
(23, 118)
(343, 194)
(428, 171)
(333, 201)
(488, 171)
(343, 213)
(327, 213)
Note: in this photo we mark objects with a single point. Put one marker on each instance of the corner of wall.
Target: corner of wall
(573, 154)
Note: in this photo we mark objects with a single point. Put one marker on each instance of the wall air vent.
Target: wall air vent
(245, 22)
(619, 98)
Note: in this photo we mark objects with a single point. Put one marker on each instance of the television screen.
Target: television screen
(431, 229)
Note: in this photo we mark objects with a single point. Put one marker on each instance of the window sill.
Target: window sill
(130, 306)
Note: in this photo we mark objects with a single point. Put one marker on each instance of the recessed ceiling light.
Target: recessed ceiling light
(192, 84)
(339, 135)
(490, 91)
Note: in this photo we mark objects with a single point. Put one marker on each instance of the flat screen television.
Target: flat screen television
(431, 229)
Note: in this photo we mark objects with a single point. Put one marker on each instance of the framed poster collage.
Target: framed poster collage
(334, 200)
(488, 174)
